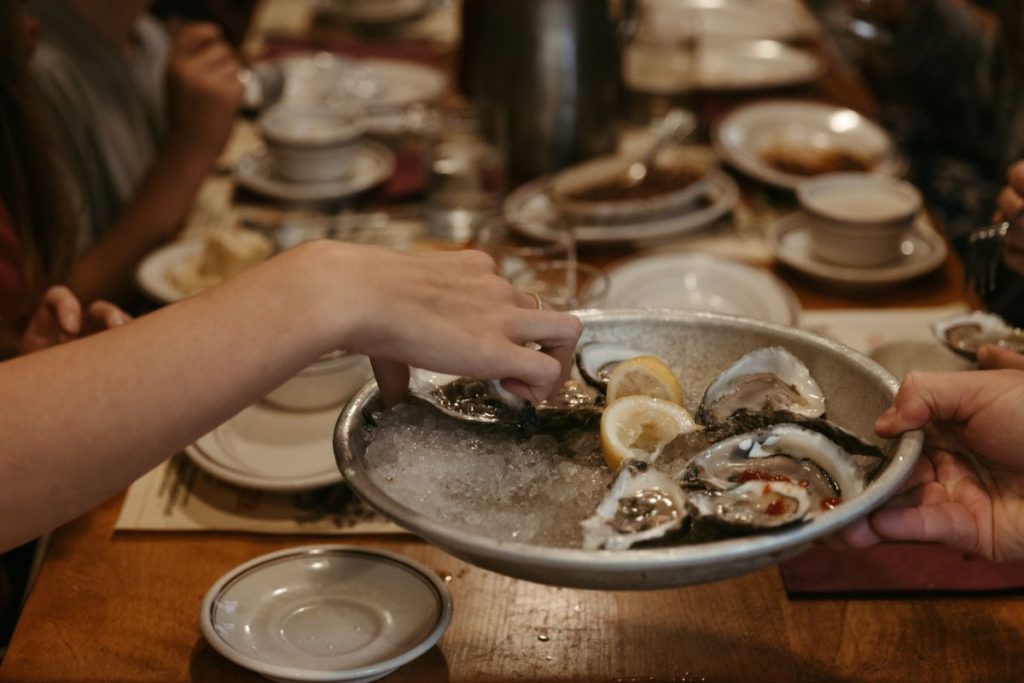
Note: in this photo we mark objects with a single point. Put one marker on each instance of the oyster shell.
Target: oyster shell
(767, 379)
(643, 504)
(782, 452)
(965, 334)
(595, 361)
(463, 398)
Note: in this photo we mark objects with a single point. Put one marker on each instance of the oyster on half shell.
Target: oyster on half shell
(595, 362)
(643, 504)
(723, 479)
(767, 379)
(965, 334)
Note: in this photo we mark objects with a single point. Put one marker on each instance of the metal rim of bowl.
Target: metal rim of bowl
(901, 462)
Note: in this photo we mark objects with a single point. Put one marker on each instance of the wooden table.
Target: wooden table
(125, 607)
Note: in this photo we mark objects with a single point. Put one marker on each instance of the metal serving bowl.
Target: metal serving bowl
(857, 390)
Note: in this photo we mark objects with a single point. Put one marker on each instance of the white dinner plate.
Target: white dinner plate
(377, 85)
(373, 163)
(376, 13)
(725, 66)
(530, 210)
(747, 133)
(692, 281)
(151, 273)
(270, 449)
(325, 613)
(733, 19)
(923, 251)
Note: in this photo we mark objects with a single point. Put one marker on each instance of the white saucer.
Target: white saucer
(745, 133)
(376, 85)
(373, 164)
(924, 250)
(151, 273)
(530, 210)
(725, 66)
(377, 13)
(326, 613)
(735, 20)
(270, 449)
(693, 281)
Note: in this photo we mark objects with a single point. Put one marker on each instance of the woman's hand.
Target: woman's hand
(451, 312)
(59, 319)
(967, 491)
(1010, 203)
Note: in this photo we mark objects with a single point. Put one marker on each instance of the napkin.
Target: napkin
(896, 567)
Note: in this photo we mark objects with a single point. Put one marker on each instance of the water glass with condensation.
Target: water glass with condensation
(465, 168)
(564, 285)
(515, 248)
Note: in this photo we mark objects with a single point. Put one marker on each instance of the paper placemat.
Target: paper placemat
(178, 496)
(866, 329)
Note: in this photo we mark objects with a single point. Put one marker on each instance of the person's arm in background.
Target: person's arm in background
(84, 419)
(205, 94)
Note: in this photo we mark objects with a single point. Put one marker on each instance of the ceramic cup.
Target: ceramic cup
(330, 381)
(311, 143)
(859, 219)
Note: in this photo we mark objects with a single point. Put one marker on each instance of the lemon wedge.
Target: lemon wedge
(638, 427)
(644, 376)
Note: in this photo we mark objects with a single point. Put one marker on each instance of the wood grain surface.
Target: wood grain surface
(125, 608)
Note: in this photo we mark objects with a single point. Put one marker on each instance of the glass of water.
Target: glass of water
(515, 248)
(465, 161)
(564, 285)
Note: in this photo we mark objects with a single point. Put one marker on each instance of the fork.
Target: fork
(984, 250)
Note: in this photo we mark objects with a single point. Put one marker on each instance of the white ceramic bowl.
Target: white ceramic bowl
(859, 219)
(330, 381)
(326, 613)
(310, 143)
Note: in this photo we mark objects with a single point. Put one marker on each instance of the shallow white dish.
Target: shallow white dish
(376, 85)
(326, 383)
(376, 12)
(372, 163)
(923, 250)
(531, 210)
(735, 19)
(692, 281)
(269, 449)
(747, 132)
(151, 273)
(756, 64)
(325, 613)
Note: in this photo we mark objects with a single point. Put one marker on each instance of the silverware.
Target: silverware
(676, 125)
(984, 250)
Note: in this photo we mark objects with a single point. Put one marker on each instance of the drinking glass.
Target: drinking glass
(465, 161)
(564, 285)
(660, 49)
(514, 251)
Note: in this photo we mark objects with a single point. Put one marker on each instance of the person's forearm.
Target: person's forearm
(81, 421)
(153, 216)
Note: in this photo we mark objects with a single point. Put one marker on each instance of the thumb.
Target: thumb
(927, 395)
(392, 379)
(998, 357)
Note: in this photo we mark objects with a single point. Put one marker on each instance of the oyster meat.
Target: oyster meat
(755, 504)
(474, 400)
(965, 334)
(643, 504)
(766, 379)
(780, 459)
